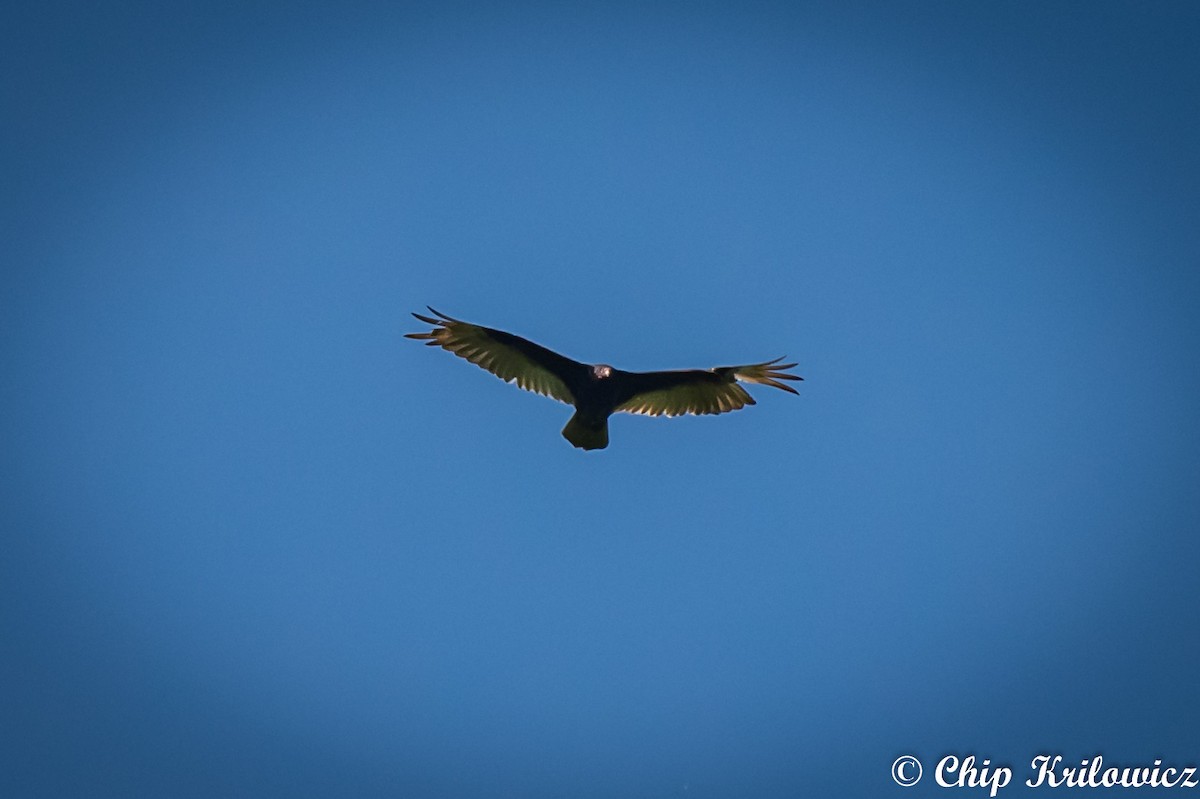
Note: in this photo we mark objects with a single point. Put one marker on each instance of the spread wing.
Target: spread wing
(509, 357)
(700, 391)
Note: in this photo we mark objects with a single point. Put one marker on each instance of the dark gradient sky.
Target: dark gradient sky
(256, 544)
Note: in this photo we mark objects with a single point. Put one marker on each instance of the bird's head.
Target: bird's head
(601, 371)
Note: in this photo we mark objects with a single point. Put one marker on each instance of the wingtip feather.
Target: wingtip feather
(436, 312)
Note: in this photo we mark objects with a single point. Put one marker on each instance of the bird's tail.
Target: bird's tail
(586, 434)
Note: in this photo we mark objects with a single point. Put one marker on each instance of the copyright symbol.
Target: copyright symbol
(906, 771)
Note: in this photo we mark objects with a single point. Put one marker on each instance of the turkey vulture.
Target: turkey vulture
(600, 390)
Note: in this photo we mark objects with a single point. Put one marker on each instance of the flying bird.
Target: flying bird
(598, 391)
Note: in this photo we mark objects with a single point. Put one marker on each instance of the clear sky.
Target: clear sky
(255, 543)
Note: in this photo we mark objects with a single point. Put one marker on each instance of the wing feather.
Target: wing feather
(511, 358)
(700, 391)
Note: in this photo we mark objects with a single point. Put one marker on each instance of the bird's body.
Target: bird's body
(597, 391)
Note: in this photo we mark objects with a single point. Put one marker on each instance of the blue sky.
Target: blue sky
(255, 543)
